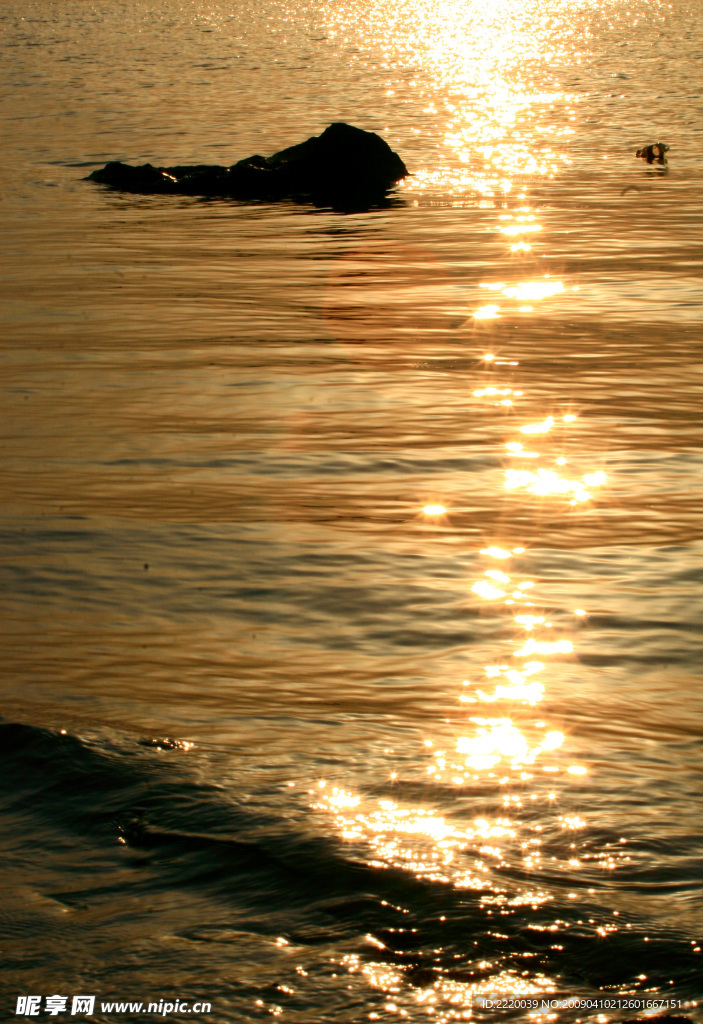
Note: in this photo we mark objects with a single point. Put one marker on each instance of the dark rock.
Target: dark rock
(345, 168)
(654, 154)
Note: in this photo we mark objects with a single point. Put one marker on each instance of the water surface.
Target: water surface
(351, 577)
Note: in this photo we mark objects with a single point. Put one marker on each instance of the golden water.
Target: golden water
(393, 517)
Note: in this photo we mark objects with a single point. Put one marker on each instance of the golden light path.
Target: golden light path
(502, 744)
(466, 68)
(468, 71)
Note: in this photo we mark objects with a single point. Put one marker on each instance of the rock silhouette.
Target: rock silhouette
(345, 167)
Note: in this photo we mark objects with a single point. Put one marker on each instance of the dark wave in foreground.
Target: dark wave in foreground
(183, 834)
(139, 804)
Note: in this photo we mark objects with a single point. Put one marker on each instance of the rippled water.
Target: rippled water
(351, 578)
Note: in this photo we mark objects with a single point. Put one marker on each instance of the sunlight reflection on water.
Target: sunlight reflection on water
(263, 488)
(473, 65)
(478, 855)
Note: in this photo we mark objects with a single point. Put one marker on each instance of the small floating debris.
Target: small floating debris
(654, 154)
